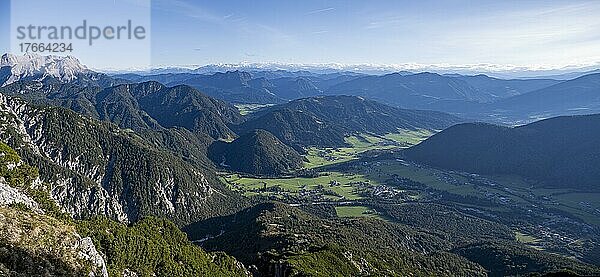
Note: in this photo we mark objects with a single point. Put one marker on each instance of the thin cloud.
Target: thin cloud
(321, 10)
(383, 23)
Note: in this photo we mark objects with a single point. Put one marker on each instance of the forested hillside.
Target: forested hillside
(257, 152)
(559, 152)
(37, 238)
(99, 169)
(325, 121)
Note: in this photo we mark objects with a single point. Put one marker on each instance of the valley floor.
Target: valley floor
(358, 180)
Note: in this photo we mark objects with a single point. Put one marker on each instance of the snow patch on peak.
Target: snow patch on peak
(34, 66)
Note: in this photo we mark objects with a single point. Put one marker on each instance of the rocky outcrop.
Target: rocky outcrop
(34, 66)
(12, 196)
(87, 251)
(35, 244)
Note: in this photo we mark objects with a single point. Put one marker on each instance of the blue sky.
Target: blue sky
(522, 33)
(4, 25)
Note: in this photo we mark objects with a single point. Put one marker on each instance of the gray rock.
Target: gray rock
(10, 195)
(87, 251)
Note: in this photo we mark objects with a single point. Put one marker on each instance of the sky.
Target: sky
(525, 33)
(4, 25)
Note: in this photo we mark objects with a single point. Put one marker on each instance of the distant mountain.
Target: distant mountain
(165, 78)
(286, 67)
(262, 87)
(577, 96)
(566, 76)
(33, 67)
(291, 88)
(326, 120)
(559, 152)
(257, 152)
(275, 74)
(421, 91)
(434, 91)
(478, 97)
(324, 82)
(500, 88)
(233, 86)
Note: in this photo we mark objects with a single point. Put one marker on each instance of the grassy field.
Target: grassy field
(409, 137)
(584, 205)
(528, 240)
(345, 183)
(246, 109)
(356, 211)
(428, 176)
(318, 157)
(524, 238)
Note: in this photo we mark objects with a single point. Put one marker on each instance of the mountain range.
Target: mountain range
(478, 97)
(496, 71)
(264, 87)
(326, 120)
(176, 174)
(577, 96)
(171, 117)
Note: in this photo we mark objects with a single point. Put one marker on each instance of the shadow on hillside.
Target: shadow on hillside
(15, 261)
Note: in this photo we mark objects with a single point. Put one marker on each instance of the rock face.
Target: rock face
(12, 196)
(34, 66)
(34, 244)
(87, 251)
(94, 168)
(48, 242)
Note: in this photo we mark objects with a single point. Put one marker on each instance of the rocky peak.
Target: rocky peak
(34, 66)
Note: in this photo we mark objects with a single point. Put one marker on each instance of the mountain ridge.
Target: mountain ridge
(535, 151)
(327, 120)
